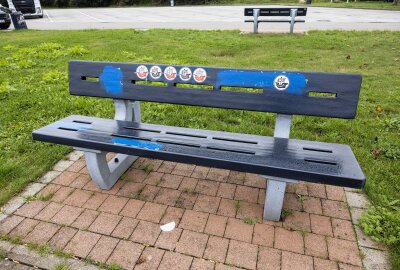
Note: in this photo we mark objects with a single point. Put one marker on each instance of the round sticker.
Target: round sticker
(185, 74)
(155, 72)
(142, 72)
(281, 83)
(199, 75)
(170, 73)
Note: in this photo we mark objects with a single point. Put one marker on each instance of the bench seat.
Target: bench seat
(310, 161)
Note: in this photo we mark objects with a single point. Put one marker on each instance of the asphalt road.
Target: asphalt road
(210, 17)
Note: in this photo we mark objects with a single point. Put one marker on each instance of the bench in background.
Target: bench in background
(278, 159)
(291, 13)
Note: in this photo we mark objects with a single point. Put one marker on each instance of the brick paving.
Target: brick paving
(208, 205)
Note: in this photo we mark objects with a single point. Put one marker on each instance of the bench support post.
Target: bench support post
(105, 174)
(293, 14)
(256, 13)
(276, 186)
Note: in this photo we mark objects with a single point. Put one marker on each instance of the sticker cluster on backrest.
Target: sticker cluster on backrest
(287, 92)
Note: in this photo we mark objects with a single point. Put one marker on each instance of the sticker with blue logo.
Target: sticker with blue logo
(138, 143)
(111, 80)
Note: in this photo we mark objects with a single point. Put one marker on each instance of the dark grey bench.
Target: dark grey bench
(290, 13)
(279, 159)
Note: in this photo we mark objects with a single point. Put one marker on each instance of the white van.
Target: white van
(30, 8)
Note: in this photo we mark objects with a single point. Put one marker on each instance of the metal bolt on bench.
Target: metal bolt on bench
(278, 159)
(257, 12)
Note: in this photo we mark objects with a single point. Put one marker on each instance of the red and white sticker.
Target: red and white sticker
(155, 72)
(142, 72)
(170, 73)
(199, 75)
(185, 74)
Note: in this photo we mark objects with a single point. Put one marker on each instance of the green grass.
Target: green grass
(34, 92)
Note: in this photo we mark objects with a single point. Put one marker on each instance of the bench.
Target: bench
(278, 159)
(291, 13)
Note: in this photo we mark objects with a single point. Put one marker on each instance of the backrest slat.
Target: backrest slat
(276, 11)
(301, 93)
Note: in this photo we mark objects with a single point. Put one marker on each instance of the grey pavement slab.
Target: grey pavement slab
(210, 18)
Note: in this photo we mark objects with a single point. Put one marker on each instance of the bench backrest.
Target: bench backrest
(276, 11)
(284, 92)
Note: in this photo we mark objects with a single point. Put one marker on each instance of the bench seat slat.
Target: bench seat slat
(294, 159)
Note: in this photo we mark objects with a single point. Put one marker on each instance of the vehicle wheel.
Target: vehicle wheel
(5, 26)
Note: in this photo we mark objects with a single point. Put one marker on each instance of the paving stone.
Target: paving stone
(153, 178)
(62, 237)
(132, 208)
(49, 176)
(356, 215)
(207, 204)
(82, 243)
(216, 225)
(343, 229)
(61, 194)
(207, 187)
(344, 251)
(125, 228)
(24, 228)
(85, 219)
(31, 209)
(195, 221)
(301, 188)
(78, 198)
(366, 241)
(315, 245)
(167, 196)
(375, 259)
(105, 223)
(343, 266)
(175, 261)
(316, 190)
(237, 177)
(200, 172)
(242, 254)
(171, 181)
(261, 196)
(103, 249)
(358, 200)
(149, 193)
(226, 190)
(219, 175)
(62, 165)
(312, 205)
(152, 212)
(49, 211)
(292, 202)
(247, 209)
(289, 240)
(335, 193)
(65, 178)
(216, 249)
(146, 233)
(255, 180)
(247, 194)
(13, 205)
(227, 208)
(126, 254)
(169, 240)
(335, 209)
(186, 200)
(77, 166)
(220, 266)
(49, 188)
(22, 253)
(172, 214)
(2, 217)
(188, 184)
(263, 235)
(296, 261)
(238, 230)
(95, 201)
(192, 243)
(269, 259)
(183, 169)
(113, 204)
(75, 155)
(167, 167)
(201, 264)
(135, 175)
(298, 221)
(32, 189)
(10, 223)
(42, 233)
(321, 225)
(131, 189)
(321, 264)
(150, 259)
(67, 215)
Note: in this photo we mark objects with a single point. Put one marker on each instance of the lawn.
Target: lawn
(34, 92)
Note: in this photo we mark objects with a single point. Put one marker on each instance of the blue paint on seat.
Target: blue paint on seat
(138, 143)
(261, 79)
(70, 125)
(111, 80)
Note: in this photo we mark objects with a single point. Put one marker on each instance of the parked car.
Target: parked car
(30, 8)
(5, 20)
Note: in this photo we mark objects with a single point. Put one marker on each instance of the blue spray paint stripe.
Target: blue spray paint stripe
(138, 143)
(111, 80)
(261, 79)
(70, 125)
